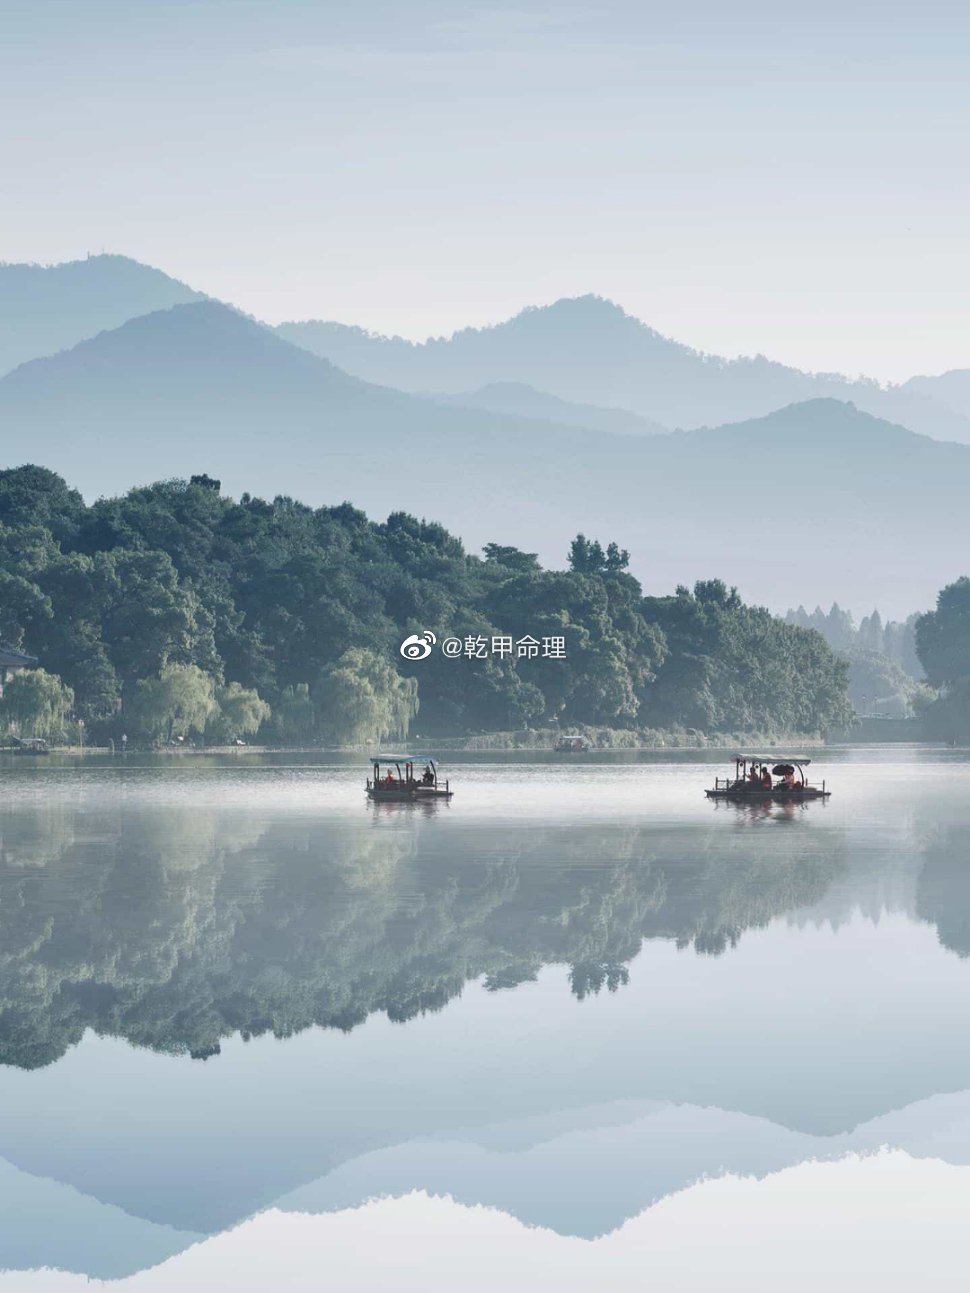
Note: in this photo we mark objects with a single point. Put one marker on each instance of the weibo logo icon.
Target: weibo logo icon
(418, 645)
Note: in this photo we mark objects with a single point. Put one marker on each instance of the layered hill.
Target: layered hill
(951, 388)
(44, 309)
(522, 400)
(587, 350)
(813, 502)
(582, 362)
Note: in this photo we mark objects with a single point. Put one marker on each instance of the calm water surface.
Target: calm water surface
(236, 998)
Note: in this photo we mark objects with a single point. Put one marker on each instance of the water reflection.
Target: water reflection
(943, 892)
(652, 996)
(176, 929)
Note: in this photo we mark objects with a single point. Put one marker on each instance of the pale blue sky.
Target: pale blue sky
(746, 177)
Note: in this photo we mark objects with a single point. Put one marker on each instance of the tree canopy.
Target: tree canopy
(943, 643)
(295, 617)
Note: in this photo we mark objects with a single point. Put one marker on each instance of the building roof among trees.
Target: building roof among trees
(11, 659)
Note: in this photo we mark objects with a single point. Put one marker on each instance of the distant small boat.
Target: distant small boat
(572, 745)
(753, 781)
(398, 784)
(33, 745)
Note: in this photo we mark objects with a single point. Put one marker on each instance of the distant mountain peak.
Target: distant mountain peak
(580, 316)
(511, 388)
(588, 307)
(198, 336)
(823, 418)
(45, 309)
(205, 313)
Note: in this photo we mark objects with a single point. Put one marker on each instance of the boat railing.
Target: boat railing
(406, 783)
(739, 783)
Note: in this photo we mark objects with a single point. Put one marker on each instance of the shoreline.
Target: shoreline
(484, 743)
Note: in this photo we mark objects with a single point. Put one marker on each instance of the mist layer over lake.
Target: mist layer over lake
(231, 987)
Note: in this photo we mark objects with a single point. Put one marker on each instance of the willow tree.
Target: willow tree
(179, 701)
(293, 714)
(361, 697)
(239, 712)
(37, 704)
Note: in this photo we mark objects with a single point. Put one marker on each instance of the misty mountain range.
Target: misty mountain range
(583, 351)
(44, 310)
(524, 433)
(589, 351)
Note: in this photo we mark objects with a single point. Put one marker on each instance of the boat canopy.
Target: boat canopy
(798, 761)
(403, 758)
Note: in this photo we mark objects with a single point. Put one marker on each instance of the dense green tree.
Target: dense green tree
(586, 557)
(732, 667)
(943, 636)
(22, 605)
(511, 558)
(31, 496)
(271, 595)
(148, 618)
(943, 643)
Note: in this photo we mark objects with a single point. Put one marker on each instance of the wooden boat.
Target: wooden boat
(572, 745)
(753, 781)
(398, 784)
(31, 745)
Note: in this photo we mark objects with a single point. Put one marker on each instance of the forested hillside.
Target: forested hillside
(174, 611)
(885, 674)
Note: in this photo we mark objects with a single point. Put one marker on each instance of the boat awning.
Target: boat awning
(771, 758)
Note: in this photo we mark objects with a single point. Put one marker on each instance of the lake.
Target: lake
(578, 1027)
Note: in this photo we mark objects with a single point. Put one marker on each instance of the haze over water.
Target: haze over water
(235, 998)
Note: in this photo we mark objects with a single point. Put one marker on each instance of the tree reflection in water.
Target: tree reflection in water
(176, 928)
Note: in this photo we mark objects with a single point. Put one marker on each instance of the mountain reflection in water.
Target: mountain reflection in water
(572, 993)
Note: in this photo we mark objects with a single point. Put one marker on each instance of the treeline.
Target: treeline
(173, 613)
(885, 673)
(894, 639)
(943, 641)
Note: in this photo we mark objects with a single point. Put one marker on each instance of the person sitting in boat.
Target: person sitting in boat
(754, 777)
(428, 777)
(389, 779)
(765, 779)
(788, 780)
